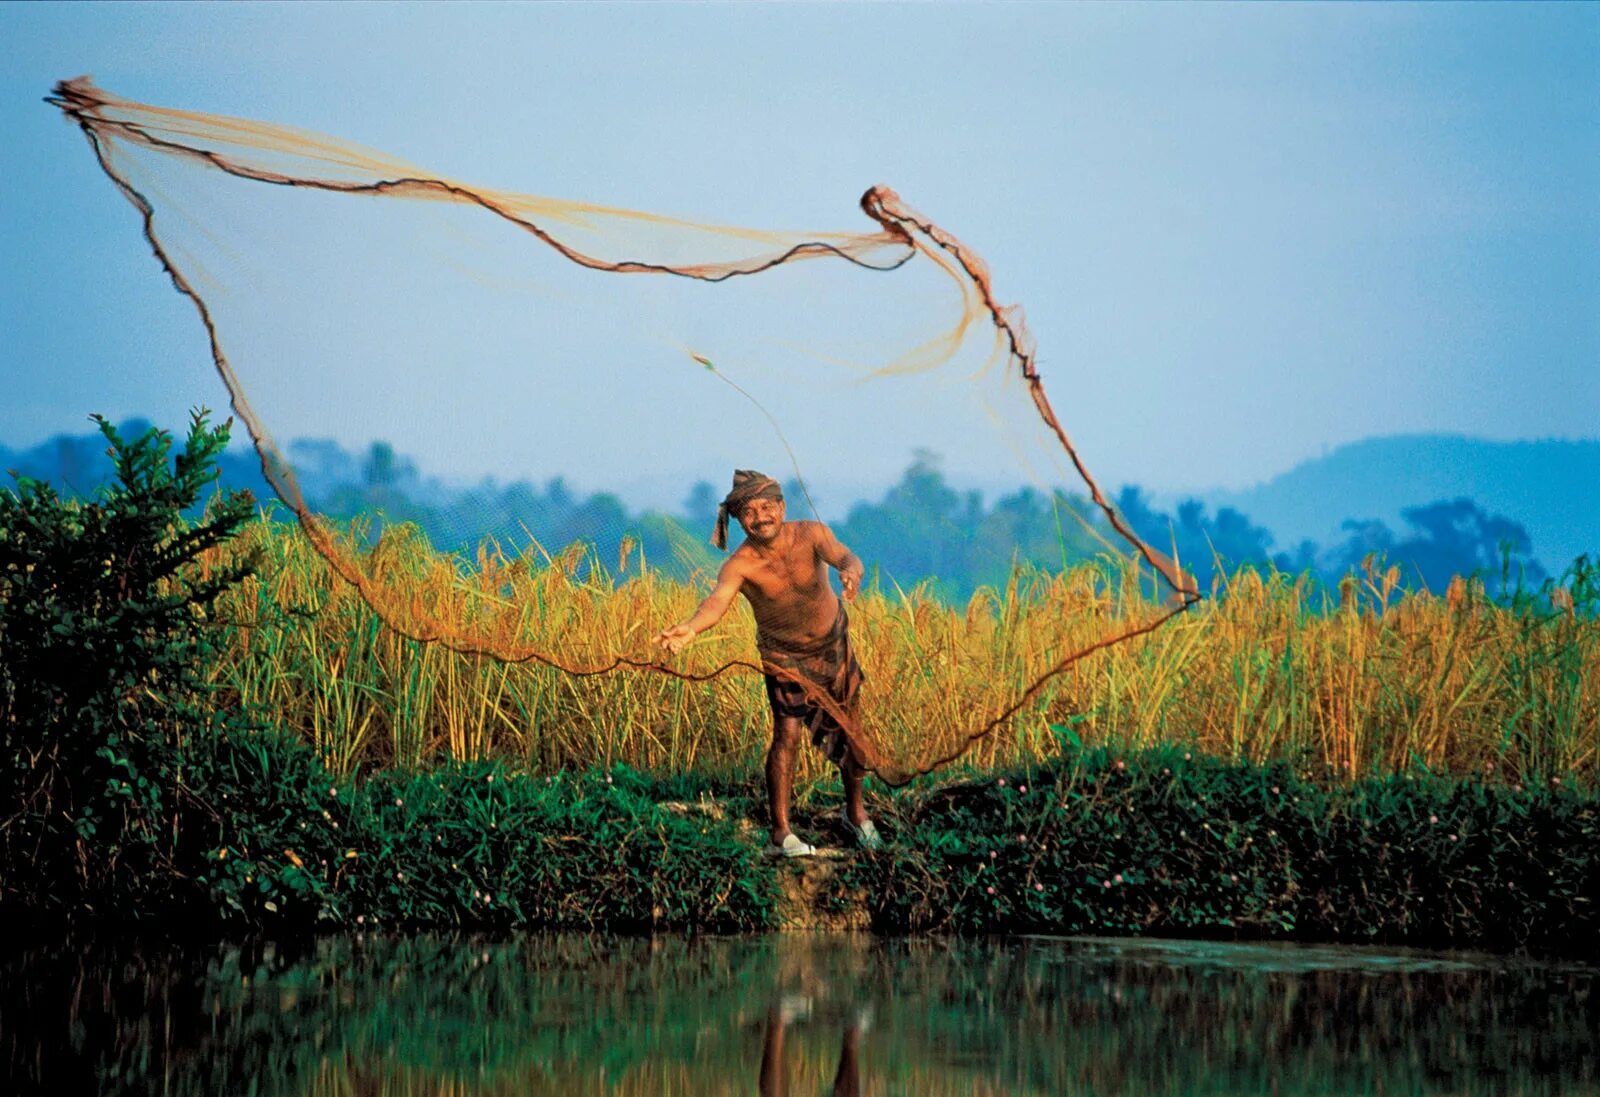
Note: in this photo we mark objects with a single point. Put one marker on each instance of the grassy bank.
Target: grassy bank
(264, 838)
(1169, 842)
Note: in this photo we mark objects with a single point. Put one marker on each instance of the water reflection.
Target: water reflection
(790, 1015)
(774, 1077)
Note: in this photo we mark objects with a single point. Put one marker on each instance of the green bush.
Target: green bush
(1166, 843)
(280, 843)
(103, 645)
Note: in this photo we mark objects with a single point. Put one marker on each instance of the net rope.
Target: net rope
(597, 238)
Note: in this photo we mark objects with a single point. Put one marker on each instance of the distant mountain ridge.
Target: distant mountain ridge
(1551, 487)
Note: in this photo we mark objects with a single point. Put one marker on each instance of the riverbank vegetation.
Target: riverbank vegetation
(203, 727)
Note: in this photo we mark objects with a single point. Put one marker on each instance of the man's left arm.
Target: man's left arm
(845, 562)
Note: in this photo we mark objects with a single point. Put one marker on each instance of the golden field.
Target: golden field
(1370, 678)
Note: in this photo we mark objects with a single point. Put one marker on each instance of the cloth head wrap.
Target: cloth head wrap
(748, 485)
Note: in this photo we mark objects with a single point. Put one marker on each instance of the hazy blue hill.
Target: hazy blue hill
(1551, 487)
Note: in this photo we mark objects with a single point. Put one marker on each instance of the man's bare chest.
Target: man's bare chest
(784, 577)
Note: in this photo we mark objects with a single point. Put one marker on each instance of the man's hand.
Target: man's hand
(710, 611)
(674, 638)
(841, 559)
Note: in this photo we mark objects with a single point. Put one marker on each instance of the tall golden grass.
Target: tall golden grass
(1367, 679)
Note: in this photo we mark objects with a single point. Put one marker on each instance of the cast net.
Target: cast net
(349, 297)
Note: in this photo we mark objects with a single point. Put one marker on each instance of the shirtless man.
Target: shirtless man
(801, 629)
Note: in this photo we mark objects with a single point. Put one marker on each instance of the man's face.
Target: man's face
(761, 519)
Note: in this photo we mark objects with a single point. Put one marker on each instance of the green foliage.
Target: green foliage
(277, 842)
(103, 644)
(257, 834)
(1170, 843)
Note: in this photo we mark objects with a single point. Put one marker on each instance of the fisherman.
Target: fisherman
(802, 632)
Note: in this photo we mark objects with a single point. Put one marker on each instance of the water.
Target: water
(790, 1015)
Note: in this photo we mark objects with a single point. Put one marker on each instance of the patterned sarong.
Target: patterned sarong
(829, 665)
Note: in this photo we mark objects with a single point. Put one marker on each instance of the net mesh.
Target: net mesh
(348, 295)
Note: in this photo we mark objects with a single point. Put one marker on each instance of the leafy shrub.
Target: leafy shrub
(270, 839)
(462, 844)
(103, 644)
(1169, 843)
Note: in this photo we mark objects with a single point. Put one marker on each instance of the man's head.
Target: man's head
(756, 502)
(762, 518)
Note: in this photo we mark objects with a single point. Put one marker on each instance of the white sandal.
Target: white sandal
(866, 835)
(790, 847)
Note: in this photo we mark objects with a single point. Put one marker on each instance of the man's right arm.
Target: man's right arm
(729, 579)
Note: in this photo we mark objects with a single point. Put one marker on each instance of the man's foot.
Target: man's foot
(790, 847)
(862, 1019)
(794, 1007)
(866, 835)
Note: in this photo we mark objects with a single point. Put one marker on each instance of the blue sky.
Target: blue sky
(1242, 233)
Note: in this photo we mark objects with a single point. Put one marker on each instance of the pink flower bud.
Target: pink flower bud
(1038, 887)
(1001, 782)
(990, 889)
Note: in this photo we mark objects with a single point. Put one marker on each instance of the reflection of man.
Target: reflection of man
(773, 1080)
(802, 629)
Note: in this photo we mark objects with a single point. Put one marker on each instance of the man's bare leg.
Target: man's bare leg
(847, 1079)
(780, 772)
(773, 1081)
(852, 775)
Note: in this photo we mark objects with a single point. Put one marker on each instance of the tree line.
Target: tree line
(921, 530)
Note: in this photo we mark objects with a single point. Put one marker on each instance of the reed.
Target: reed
(1366, 679)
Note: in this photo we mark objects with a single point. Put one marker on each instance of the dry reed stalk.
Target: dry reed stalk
(1272, 669)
